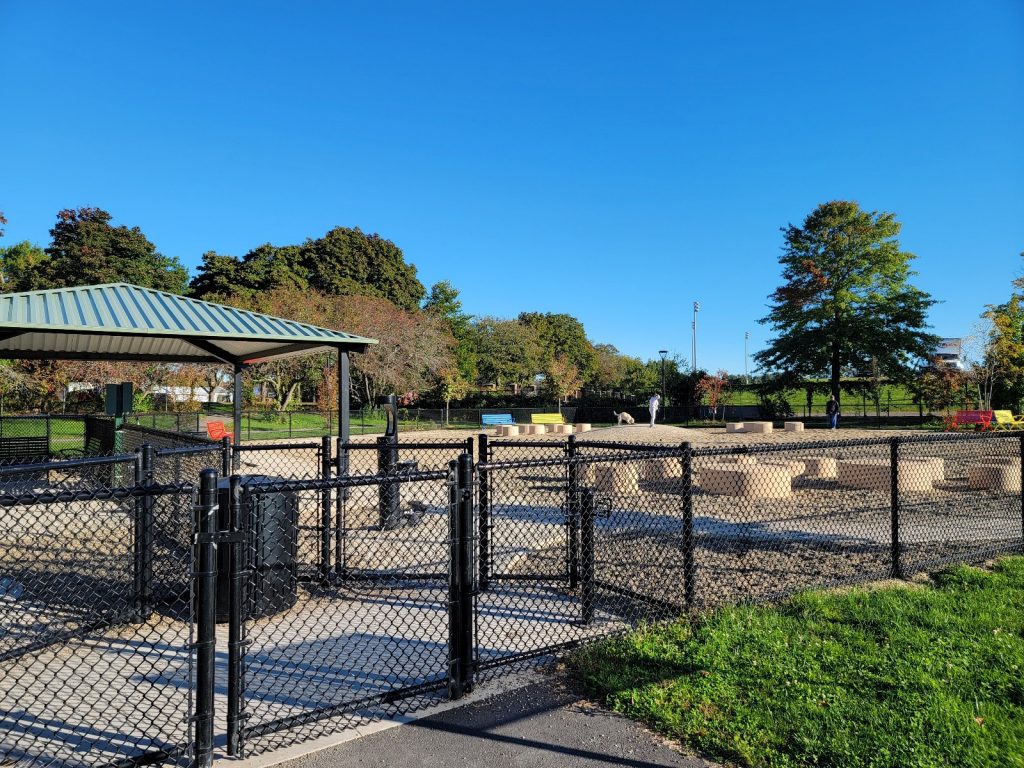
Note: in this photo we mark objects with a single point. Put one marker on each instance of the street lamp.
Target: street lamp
(663, 353)
(746, 338)
(696, 308)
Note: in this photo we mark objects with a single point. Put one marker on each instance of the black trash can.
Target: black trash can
(271, 519)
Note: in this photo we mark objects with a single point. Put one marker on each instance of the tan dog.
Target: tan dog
(624, 417)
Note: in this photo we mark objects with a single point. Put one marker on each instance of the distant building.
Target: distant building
(162, 394)
(949, 353)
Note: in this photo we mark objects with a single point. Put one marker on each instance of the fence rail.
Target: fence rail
(359, 580)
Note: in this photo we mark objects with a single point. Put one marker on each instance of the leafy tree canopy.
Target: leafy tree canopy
(509, 350)
(562, 335)
(23, 267)
(341, 263)
(846, 299)
(85, 249)
(443, 302)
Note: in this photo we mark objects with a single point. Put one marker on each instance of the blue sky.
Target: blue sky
(612, 162)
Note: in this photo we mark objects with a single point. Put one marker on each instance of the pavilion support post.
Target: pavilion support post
(236, 409)
(343, 396)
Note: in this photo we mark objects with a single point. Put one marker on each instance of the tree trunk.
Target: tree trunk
(836, 372)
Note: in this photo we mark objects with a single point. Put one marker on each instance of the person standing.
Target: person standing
(832, 411)
(652, 405)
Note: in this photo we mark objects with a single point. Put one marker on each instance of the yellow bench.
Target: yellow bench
(1006, 420)
(547, 418)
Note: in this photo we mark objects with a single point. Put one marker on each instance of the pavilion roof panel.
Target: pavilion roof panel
(127, 321)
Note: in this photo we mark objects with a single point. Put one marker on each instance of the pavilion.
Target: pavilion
(120, 321)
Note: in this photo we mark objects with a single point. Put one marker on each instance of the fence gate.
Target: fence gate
(334, 619)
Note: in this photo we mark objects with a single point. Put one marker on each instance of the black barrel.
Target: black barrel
(270, 549)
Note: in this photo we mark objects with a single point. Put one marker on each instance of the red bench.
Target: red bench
(971, 418)
(216, 430)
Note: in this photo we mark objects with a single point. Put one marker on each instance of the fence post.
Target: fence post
(206, 615)
(460, 577)
(326, 460)
(1022, 487)
(225, 456)
(572, 520)
(237, 576)
(289, 424)
(339, 510)
(689, 563)
(484, 515)
(143, 535)
(587, 588)
(894, 504)
(466, 561)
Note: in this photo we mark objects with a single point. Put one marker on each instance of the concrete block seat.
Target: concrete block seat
(758, 427)
(795, 467)
(583, 427)
(794, 426)
(508, 430)
(734, 428)
(823, 467)
(738, 458)
(1003, 476)
(748, 481)
(660, 470)
(615, 478)
(876, 474)
(935, 466)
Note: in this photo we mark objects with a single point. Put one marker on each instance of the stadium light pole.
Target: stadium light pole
(696, 308)
(746, 338)
(663, 353)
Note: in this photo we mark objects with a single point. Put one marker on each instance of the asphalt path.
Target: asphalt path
(547, 724)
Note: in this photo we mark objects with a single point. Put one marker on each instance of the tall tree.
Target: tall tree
(443, 302)
(562, 335)
(343, 262)
(86, 249)
(23, 267)
(846, 299)
(1005, 349)
(509, 352)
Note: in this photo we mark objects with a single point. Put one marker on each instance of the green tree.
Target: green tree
(1005, 350)
(343, 262)
(562, 335)
(509, 352)
(23, 267)
(846, 299)
(444, 303)
(86, 249)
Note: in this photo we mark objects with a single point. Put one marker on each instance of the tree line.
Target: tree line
(347, 280)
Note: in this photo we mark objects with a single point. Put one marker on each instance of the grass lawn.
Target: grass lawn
(906, 675)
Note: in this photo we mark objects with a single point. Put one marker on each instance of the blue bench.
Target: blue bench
(496, 419)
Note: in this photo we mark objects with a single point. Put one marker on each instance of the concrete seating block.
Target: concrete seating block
(563, 429)
(507, 430)
(734, 428)
(935, 466)
(876, 475)
(749, 481)
(758, 427)
(819, 466)
(794, 426)
(739, 458)
(795, 467)
(617, 478)
(583, 427)
(994, 477)
(660, 470)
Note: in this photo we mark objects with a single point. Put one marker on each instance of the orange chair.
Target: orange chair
(216, 430)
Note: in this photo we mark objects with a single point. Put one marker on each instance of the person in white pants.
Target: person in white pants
(652, 404)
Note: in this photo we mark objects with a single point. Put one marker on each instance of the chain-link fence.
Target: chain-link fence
(95, 653)
(369, 578)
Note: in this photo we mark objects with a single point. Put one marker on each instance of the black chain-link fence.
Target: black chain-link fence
(370, 578)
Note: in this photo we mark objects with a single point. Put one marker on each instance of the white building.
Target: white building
(950, 353)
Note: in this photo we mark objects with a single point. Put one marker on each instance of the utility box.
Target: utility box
(119, 399)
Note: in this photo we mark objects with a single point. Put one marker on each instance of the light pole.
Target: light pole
(663, 353)
(696, 308)
(746, 338)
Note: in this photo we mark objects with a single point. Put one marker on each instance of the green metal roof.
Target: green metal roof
(120, 321)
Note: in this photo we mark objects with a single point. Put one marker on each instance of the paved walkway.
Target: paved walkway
(545, 724)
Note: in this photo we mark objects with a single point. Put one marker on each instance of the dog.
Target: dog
(624, 417)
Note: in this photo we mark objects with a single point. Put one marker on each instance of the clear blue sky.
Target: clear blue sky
(613, 162)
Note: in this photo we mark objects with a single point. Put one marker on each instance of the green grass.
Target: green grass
(898, 394)
(898, 676)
